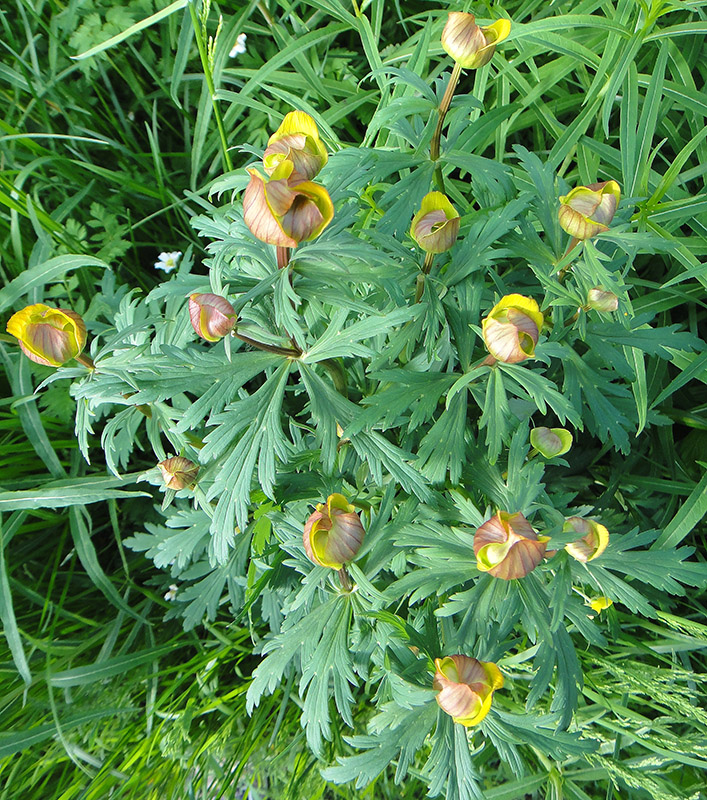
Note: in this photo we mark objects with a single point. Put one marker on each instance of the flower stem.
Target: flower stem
(344, 578)
(270, 348)
(87, 361)
(441, 114)
(208, 75)
(283, 257)
(426, 267)
(337, 375)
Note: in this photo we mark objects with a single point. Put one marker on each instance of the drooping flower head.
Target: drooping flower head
(284, 215)
(551, 442)
(211, 315)
(333, 534)
(49, 336)
(466, 687)
(588, 210)
(512, 328)
(296, 140)
(435, 227)
(595, 538)
(507, 547)
(470, 45)
(178, 472)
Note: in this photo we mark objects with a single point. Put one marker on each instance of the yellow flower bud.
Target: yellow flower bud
(178, 472)
(333, 534)
(436, 225)
(600, 300)
(512, 328)
(466, 687)
(551, 442)
(595, 538)
(600, 604)
(296, 140)
(588, 210)
(212, 316)
(470, 45)
(285, 215)
(49, 336)
(507, 547)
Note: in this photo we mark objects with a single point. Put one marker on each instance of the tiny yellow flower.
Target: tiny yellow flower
(600, 604)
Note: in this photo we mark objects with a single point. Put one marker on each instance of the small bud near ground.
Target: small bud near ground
(333, 533)
(588, 210)
(296, 140)
(280, 214)
(600, 300)
(466, 687)
(435, 227)
(211, 315)
(468, 44)
(512, 328)
(178, 472)
(49, 336)
(595, 538)
(551, 442)
(507, 547)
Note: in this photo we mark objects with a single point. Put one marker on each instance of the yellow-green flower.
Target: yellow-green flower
(512, 328)
(601, 300)
(285, 215)
(595, 538)
(551, 442)
(466, 687)
(468, 44)
(599, 604)
(333, 534)
(588, 210)
(435, 227)
(507, 547)
(296, 140)
(49, 336)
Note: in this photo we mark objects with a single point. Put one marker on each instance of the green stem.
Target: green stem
(337, 375)
(87, 361)
(269, 348)
(210, 84)
(344, 578)
(426, 267)
(442, 113)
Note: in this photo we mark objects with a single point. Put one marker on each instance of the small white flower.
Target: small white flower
(239, 46)
(168, 261)
(131, 116)
(171, 593)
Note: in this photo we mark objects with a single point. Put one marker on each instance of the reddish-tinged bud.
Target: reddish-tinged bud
(49, 336)
(551, 442)
(595, 538)
(333, 534)
(588, 210)
(600, 300)
(466, 687)
(296, 140)
(507, 547)
(435, 227)
(512, 328)
(285, 215)
(178, 472)
(470, 45)
(212, 316)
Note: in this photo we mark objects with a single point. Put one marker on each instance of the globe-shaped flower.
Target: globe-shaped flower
(551, 442)
(212, 316)
(178, 472)
(470, 45)
(595, 538)
(435, 227)
(296, 140)
(49, 336)
(507, 547)
(601, 300)
(333, 534)
(466, 687)
(588, 210)
(512, 328)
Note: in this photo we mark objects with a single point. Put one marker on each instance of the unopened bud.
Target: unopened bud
(507, 547)
(466, 687)
(212, 316)
(470, 45)
(551, 442)
(595, 538)
(296, 140)
(178, 472)
(435, 227)
(600, 300)
(285, 215)
(49, 336)
(333, 534)
(512, 328)
(588, 210)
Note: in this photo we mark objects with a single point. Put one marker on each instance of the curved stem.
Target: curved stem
(442, 113)
(337, 375)
(426, 267)
(270, 348)
(87, 361)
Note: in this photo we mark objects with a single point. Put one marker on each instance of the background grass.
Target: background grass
(109, 157)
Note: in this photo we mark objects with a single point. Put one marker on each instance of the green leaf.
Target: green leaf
(70, 492)
(108, 668)
(689, 515)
